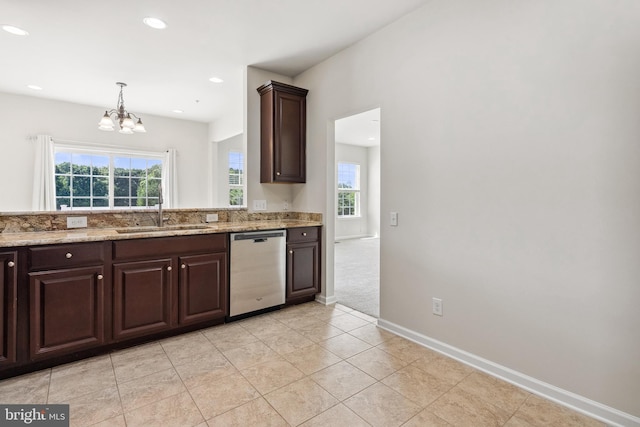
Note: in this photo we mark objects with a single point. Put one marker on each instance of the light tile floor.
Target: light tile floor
(307, 365)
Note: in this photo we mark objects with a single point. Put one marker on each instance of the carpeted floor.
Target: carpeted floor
(357, 274)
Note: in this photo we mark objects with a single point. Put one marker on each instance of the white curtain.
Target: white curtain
(170, 179)
(44, 188)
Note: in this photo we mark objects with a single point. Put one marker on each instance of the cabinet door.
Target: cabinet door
(203, 284)
(66, 310)
(303, 274)
(141, 297)
(289, 148)
(8, 288)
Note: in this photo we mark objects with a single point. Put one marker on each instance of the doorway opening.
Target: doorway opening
(357, 216)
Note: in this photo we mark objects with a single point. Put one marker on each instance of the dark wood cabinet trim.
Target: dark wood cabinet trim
(8, 306)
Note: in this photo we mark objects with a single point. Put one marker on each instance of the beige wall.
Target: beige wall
(516, 126)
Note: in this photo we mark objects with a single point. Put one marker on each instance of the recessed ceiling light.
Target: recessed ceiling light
(178, 111)
(216, 80)
(15, 30)
(156, 23)
(34, 87)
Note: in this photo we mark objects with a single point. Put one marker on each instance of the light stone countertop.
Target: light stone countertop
(101, 234)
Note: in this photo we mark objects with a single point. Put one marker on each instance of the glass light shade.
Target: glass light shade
(128, 122)
(126, 131)
(106, 128)
(139, 127)
(106, 122)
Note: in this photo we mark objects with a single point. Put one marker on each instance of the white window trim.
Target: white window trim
(356, 191)
(239, 186)
(89, 148)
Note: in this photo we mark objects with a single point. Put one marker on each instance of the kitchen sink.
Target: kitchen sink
(153, 228)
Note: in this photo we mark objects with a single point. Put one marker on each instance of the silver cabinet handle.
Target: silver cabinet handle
(278, 173)
(11, 264)
(68, 255)
(169, 268)
(100, 277)
(291, 252)
(183, 266)
(304, 234)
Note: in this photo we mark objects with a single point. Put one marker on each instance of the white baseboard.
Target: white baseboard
(606, 414)
(326, 300)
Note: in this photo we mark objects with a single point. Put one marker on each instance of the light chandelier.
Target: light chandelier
(125, 118)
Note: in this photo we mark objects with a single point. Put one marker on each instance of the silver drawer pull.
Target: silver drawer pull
(183, 266)
(304, 234)
(290, 252)
(68, 255)
(169, 268)
(278, 173)
(11, 264)
(100, 277)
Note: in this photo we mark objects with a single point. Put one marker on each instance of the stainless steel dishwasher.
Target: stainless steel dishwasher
(257, 278)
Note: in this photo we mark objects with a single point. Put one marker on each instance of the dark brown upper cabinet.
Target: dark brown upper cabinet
(283, 130)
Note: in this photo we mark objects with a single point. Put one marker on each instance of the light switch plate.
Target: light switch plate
(76, 222)
(393, 220)
(212, 217)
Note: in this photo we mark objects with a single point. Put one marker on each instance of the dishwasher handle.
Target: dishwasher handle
(258, 237)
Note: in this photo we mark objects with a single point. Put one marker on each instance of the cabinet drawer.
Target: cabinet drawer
(64, 256)
(168, 246)
(302, 234)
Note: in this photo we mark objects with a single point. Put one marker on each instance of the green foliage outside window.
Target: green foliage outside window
(83, 180)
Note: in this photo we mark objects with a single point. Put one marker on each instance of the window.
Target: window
(348, 189)
(95, 179)
(236, 178)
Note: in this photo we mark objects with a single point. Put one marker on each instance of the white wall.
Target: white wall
(24, 116)
(373, 202)
(357, 226)
(515, 167)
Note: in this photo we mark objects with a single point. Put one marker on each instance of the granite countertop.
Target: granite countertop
(9, 239)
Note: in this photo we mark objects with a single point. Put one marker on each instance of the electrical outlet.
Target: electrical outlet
(285, 205)
(436, 305)
(259, 205)
(76, 221)
(212, 217)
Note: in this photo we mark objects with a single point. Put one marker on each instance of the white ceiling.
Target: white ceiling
(77, 50)
(360, 129)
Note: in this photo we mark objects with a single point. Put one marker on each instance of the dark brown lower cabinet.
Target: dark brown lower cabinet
(202, 287)
(303, 263)
(66, 310)
(141, 298)
(165, 283)
(8, 305)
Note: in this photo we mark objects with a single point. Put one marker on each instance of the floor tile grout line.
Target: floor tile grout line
(49, 385)
(182, 381)
(118, 389)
